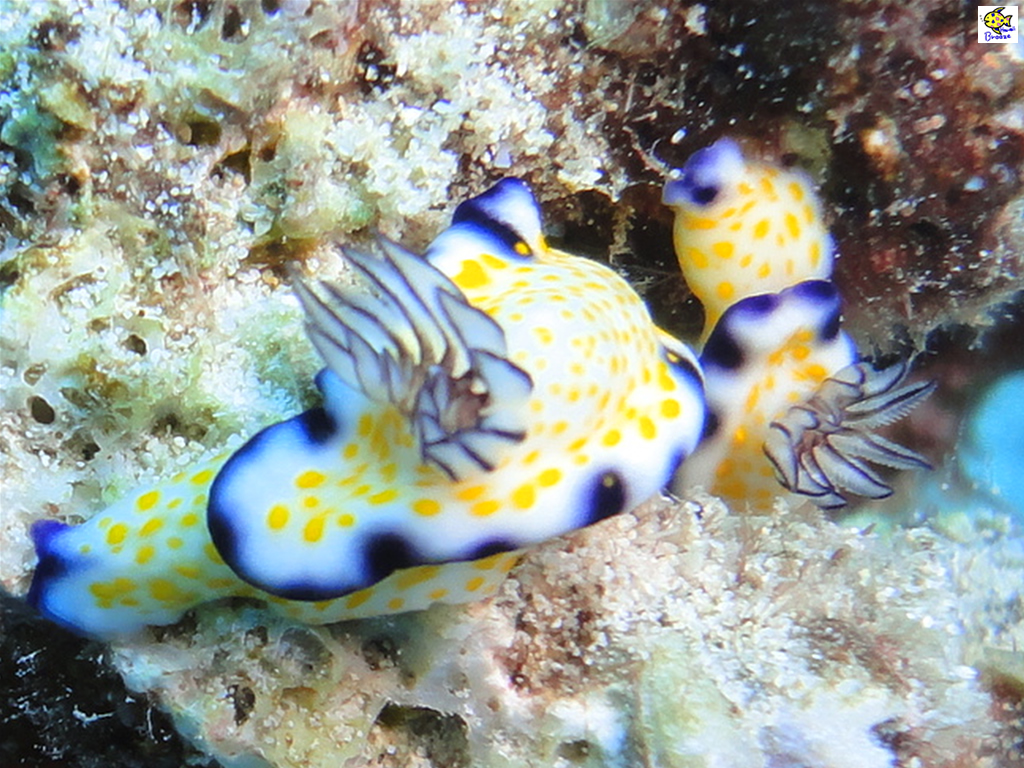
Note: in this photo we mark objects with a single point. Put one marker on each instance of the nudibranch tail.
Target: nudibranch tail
(822, 448)
(144, 560)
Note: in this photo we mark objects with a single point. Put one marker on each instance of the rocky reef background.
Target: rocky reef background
(160, 164)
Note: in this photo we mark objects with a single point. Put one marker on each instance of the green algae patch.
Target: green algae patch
(66, 101)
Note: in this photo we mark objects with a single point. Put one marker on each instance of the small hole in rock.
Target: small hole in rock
(380, 653)
(240, 162)
(372, 70)
(193, 13)
(326, 38)
(440, 738)
(69, 184)
(244, 699)
(21, 199)
(53, 35)
(574, 751)
(9, 274)
(41, 410)
(33, 374)
(135, 344)
(233, 27)
(203, 133)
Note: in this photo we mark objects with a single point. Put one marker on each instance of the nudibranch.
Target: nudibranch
(744, 228)
(789, 402)
(493, 394)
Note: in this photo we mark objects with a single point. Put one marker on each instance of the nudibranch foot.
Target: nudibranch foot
(822, 448)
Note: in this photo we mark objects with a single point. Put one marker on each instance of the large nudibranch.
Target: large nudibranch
(788, 401)
(492, 395)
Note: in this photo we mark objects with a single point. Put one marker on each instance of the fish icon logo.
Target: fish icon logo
(997, 24)
(996, 19)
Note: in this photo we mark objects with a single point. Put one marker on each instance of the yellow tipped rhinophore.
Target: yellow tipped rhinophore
(744, 228)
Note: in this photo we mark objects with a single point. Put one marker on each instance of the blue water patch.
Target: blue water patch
(992, 449)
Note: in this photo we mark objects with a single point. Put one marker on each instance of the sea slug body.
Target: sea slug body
(493, 394)
(744, 228)
(789, 402)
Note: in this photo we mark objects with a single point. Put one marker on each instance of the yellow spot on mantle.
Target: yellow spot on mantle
(471, 276)
(383, 497)
(471, 493)
(212, 554)
(699, 222)
(524, 496)
(358, 598)
(426, 507)
(188, 571)
(550, 477)
(277, 518)
(165, 591)
(723, 249)
(117, 534)
(413, 576)
(494, 262)
(314, 530)
(485, 508)
(147, 500)
(202, 477)
(310, 479)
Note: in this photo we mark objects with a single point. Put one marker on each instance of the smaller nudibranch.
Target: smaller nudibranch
(767, 353)
(491, 395)
(790, 407)
(744, 227)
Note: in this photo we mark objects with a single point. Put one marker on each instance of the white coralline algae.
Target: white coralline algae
(678, 635)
